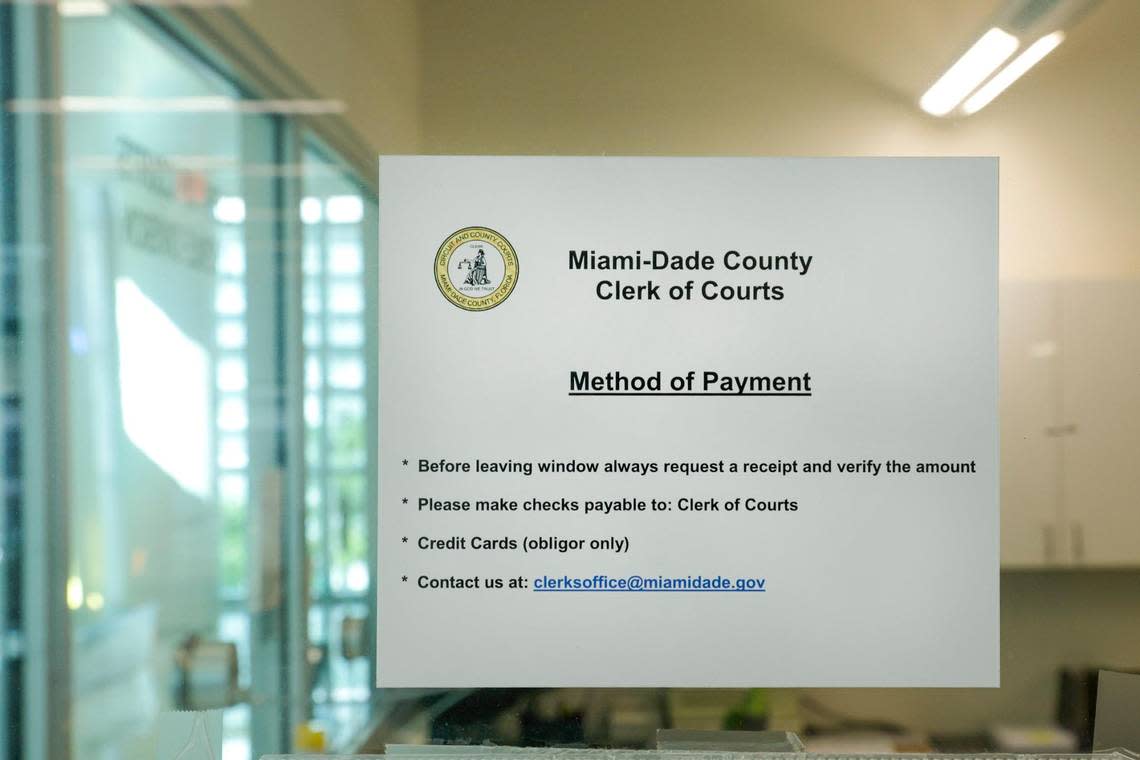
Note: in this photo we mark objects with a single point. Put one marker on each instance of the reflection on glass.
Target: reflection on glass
(346, 259)
(344, 209)
(164, 389)
(232, 375)
(337, 527)
(311, 211)
(230, 299)
(231, 335)
(159, 512)
(346, 298)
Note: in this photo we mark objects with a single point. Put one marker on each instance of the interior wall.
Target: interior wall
(721, 77)
(726, 77)
(363, 52)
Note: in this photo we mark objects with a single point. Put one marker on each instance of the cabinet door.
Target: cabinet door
(1101, 407)
(1030, 451)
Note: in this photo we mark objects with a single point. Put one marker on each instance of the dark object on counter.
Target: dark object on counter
(470, 718)
(562, 730)
(1117, 710)
(1076, 702)
(960, 744)
(751, 714)
(828, 721)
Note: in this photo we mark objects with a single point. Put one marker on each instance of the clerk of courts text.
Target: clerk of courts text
(708, 290)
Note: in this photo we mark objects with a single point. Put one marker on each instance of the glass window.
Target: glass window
(338, 226)
(182, 579)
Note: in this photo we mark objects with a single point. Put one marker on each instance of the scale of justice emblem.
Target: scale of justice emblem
(476, 268)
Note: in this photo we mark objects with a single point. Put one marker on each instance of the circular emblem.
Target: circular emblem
(476, 268)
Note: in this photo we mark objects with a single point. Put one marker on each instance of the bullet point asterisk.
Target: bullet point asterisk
(405, 579)
(405, 462)
(405, 539)
(405, 499)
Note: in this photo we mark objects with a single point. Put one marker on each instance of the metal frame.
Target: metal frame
(291, 435)
(221, 37)
(10, 492)
(33, 224)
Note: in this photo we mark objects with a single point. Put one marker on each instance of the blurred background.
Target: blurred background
(188, 235)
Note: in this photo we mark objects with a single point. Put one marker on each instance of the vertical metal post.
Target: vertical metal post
(277, 467)
(267, 504)
(290, 282)
(370, 230)
(42, 275)
(10, 490)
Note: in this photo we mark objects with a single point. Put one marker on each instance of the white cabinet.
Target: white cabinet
(1029, 401)
(1100, 406)
(1070, 424)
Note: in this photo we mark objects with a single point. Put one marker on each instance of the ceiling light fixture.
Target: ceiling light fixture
(982, 59)
(1013, 72)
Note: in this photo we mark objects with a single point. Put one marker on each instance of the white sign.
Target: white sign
(688, 422)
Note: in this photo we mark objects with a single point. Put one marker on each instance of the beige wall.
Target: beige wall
(363, 52)
(716, 77)
(683, 77)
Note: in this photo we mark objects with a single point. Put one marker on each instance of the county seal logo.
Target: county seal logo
(476, 268)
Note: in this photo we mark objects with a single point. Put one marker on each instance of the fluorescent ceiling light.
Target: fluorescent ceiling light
(977, 63)
(1013, 72)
